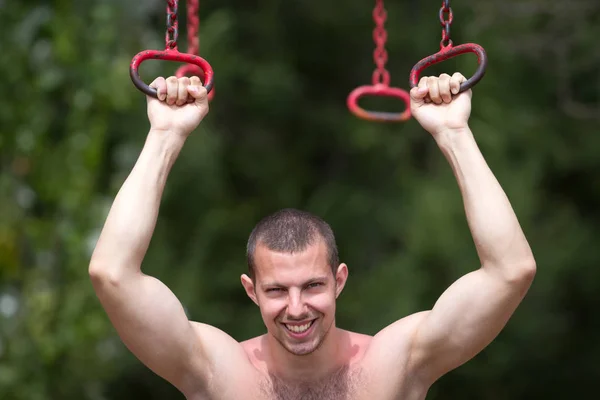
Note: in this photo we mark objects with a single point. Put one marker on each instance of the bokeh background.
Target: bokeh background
(279, 135)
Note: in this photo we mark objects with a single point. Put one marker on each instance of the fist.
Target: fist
(437, 105)
(182, 103)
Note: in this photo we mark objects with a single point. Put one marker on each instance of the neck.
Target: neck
(328, 358)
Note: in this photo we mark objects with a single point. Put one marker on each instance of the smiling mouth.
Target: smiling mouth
(299, 329)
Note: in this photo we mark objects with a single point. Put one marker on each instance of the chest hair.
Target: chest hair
(341, 385)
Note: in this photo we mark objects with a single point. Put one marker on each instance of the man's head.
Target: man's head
(295, 277)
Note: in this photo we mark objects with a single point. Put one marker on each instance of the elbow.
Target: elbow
(522, 273)
(97, 270)
(526, 271)
(519, 273)
(101, 274)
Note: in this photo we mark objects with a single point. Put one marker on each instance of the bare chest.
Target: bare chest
(346, 384)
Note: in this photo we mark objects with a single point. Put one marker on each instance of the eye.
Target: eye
(314, 285)
(270, 290)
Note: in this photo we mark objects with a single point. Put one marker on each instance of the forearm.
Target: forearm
(130, 224)
(498, 237)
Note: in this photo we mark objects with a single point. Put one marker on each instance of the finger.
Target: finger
(423, 84)
(455, 81)
(172, 90)
(434, 90)
(194, 81)
(199, 93)
(161, 87)
(182, 92)
(444, 87)
(419, 92)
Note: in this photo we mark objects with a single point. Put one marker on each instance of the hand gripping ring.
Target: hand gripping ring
(379, 90)
(194, 70)
(168, 55)
(446, 53)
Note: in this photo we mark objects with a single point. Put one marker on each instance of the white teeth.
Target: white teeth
(298, 328)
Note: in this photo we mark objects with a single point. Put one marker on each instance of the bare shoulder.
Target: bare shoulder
(253, 348)
(225, 360)
(357, 345)
(256, 350)
(252, 344)
(404, 326)
(391, 346)
(209, 332)
(219, 346)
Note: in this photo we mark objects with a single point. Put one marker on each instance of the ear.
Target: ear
(341, 276)
(249, 287)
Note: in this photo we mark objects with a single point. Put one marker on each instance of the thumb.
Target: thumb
(198, 93)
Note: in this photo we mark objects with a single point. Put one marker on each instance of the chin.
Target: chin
(302, 349)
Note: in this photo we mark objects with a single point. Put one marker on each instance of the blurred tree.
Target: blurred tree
(279, 135)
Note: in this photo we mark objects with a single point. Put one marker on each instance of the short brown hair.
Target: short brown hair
(291, 230)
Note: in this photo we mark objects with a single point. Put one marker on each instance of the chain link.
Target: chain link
(380, 55)
(446, 12)
(193, 26)
(172, 25)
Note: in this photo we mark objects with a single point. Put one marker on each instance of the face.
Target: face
(296, 294)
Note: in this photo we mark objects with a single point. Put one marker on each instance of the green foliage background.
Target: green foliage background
(279, 135)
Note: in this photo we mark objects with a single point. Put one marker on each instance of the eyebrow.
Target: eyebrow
(275, 284)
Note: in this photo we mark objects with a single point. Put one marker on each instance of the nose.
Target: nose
(296, 308)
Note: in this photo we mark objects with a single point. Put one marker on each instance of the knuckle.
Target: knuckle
(158, 82)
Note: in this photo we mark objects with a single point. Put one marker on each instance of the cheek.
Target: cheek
(271, 308)
(323, 302)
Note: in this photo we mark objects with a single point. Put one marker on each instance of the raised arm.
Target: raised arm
(473, 310)
(146, 314)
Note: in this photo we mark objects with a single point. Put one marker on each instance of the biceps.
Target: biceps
(152, 324)
(465, 319)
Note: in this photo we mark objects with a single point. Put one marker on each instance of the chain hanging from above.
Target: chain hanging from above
(193, 27)
(380, 54)
(172, 34)
(380, 82)
(171, 53)
(193, 39)
(448, 50)
(446, 12)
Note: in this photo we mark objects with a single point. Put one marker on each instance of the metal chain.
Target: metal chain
(446, 11)
(172, 25)
(193, 24)
(380, 55)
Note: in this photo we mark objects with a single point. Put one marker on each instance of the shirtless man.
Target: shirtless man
(295, 278)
